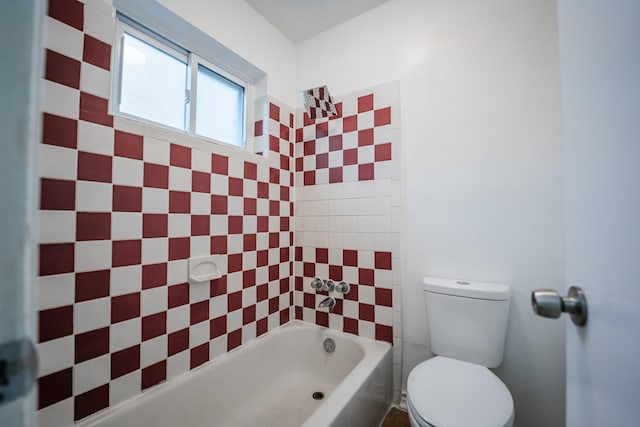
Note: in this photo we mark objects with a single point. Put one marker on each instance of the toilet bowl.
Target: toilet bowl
(444, 392)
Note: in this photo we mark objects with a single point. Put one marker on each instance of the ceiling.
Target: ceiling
(301, 19)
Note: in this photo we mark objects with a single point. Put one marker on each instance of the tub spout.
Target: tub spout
(327, 302)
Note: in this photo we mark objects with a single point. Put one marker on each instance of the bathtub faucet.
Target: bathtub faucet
(327, 302)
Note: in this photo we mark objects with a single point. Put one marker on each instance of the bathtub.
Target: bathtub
(270, 381)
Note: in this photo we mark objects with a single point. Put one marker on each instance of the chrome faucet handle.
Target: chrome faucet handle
(317, 284)
(329, 285)
(343, 288)
(329, 302)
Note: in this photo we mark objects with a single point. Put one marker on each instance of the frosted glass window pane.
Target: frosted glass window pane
(219, 108)
(153, 83)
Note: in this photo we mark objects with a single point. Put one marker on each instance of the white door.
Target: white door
(20, 76)
(600, 72)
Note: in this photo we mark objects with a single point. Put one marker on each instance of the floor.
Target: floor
(396, 418)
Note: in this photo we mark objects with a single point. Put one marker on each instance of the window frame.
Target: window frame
(192, 59)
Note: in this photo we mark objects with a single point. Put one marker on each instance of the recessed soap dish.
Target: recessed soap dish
(204, 268)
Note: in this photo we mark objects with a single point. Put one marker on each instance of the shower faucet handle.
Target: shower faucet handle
(329, 285)
(343, 288)
(317, 284)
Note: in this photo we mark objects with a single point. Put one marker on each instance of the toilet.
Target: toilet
(467, 329)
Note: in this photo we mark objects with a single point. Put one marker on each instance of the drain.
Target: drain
(317, 395)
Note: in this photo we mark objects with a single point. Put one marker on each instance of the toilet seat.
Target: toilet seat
(452, 393)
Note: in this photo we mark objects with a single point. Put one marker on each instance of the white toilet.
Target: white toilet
(467, 329)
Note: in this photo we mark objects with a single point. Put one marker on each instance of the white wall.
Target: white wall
(239, 27)
(481, 161)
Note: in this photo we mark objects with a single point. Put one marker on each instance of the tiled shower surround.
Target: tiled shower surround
(124, 205)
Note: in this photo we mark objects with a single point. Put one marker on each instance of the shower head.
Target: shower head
(318, 103)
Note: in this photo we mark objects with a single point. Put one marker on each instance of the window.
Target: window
(166, 84)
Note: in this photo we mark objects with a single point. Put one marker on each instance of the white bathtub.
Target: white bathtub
(269, 382)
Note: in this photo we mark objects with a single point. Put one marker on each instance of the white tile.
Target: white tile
(217, 347)
(58, 162)
(365, 188)
(57, 415)
(98, 24)
(64, 39)
(250, 188)
(124, 388)
(383, 187)
(384, 315)
(397, 192)
(383, 242)
(234, 320)
(366, 206)
(200, 245)
(91, 256)
(91, 374)
(219, 184)
(366, 224)
(366, 259)
(382, 206)
(236, 167)
(179, 225)
(55, 291)
(397, 298)
(248, 332)
(55, 355)
(198, 334)
(219, 225)
(90, 315)
(198, 292)
(128, 172)
(365, 120)
(128, 125)
(397, 324)
(155, 251)
(153, 351)
(396, 220)
(178, 318)
(178, 364)
(95, 80)
(366, 329)
(365, 241)
(200, 161)
(385, 170)
(93, 196)
(57, 226)
(156, 151)
(125, 334)
(155, 200)
(350, 173)
(126, 280)
(104, 6)
(60, 100)
(179, 179)
(153, 300)
(349, 140)
(177, 272)
(126, 225)
(200, 203)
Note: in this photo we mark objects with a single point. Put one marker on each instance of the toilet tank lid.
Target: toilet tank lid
(467, 288)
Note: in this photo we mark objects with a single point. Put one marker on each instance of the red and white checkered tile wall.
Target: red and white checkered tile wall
(348, 215)
(122, 208)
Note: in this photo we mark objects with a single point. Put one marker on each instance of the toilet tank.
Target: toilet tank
(467, 320)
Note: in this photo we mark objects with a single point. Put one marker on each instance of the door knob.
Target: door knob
(548, 303)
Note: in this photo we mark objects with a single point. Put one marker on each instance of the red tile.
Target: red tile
(262, 326)
(248, 278)
(59, 131)
(262, 258)
(234, 339)
(199, 312)
(154, 374)
(250, 206)
(220, 164)
(235, 224)
(353, 293)
(218, 287)
(62, 69)
(284, 132)
(249, 242)
(350, 124)
(299, 164)
(178, 295)
(263, 190)
(125, 307)
(298, 312)
(179, 248)
(365, 137)
(298, 253)
(248, 314)
(383, 260)
(200, 225)
(154, 225)
(322, 318)
(127, 199)
(322, 130)
(284, 193)
(365, 103)
(274, 240)
(235, 187)
(199, 355)
(285, 163)
(274, 112)
(125, 361)
(93, 226)
(55, 323)
(55, 387)
(262, 292)
(384, 333)
(366, 312)
(92, 344)
(156, 176)
(350, 326)
(219, 205)
(384, 297)
(179, 202)
(335, 143)
(178, 342)
(274, 208)
(95, 109)
(90, 402)
(154, 275)
(56, 258)
(274, 143)
(365, 172)
(350, 156)
(299, 134)
(322, 255)
(383, 152)
(94, 167)
(96, 52)
(274, 272)
(154, 325)
(322, 161)
(285, 285)
(274, 176)
(92, 285)
(335, 175)
(285, 254)
(200, 182)
(126, 252)
(57, 194)
(382, 117)
(234, 263)
(291, 120)
(180, 156)
(257, 128)
(218, 245)
(217, 327)
(234, 301)
(71, 12)
(350, 258)
(310, 178)
(309, 269)
(128, 145)
(366, 276)
(284, 316)
(309, 300)
(306, 120)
